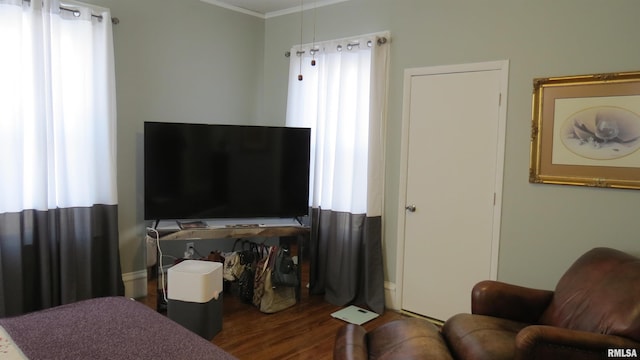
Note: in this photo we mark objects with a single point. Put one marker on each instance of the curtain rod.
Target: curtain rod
(76, 13)
(381, 41)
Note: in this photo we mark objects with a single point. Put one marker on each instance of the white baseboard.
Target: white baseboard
(390, 296)
(135, 284)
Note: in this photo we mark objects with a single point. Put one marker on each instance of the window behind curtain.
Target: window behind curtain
(333, 99)
(57, 107)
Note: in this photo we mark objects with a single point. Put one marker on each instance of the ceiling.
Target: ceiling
(270, 8)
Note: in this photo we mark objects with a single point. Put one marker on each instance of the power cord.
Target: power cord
(164, 288)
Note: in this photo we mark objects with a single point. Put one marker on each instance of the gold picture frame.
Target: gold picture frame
(586, 130)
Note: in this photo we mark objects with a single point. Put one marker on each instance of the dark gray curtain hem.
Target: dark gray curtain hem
(346, 258)
(54, 257)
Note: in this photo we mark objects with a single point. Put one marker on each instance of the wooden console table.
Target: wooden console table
(236, 232)
(301, 233)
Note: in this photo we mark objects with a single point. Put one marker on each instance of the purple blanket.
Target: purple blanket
(106, 328)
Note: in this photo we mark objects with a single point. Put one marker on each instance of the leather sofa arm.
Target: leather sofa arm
(498, 299)
(549, 342)
(351, 343)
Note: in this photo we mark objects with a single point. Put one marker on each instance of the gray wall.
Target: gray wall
(190, 61)
(180, 61)
(544, 227)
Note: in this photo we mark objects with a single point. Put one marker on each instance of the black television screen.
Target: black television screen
(198, 171)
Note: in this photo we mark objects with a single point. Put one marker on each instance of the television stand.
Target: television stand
(236, 232)
(253, 228)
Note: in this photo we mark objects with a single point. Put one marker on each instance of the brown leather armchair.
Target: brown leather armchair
(595, 308)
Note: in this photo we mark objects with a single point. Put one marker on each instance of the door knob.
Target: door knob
(411, 208)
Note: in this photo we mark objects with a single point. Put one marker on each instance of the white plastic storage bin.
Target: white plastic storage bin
(194, 292)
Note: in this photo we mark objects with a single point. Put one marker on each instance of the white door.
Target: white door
(453, 153)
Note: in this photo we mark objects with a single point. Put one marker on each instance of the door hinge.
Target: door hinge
(500, 99)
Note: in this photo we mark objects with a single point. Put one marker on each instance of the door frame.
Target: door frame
(503, 67)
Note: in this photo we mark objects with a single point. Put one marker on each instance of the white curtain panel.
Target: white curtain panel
(342, 99)
(57, 106)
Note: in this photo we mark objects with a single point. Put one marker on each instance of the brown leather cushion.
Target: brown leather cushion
(480, 337)
(599, 293)
(351, 343)
(409, 338)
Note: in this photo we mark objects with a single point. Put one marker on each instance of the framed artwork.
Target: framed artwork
(586, 130)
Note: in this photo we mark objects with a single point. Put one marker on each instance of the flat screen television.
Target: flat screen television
(201, 171)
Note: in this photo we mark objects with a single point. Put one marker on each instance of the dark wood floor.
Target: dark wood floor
(305, 331)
